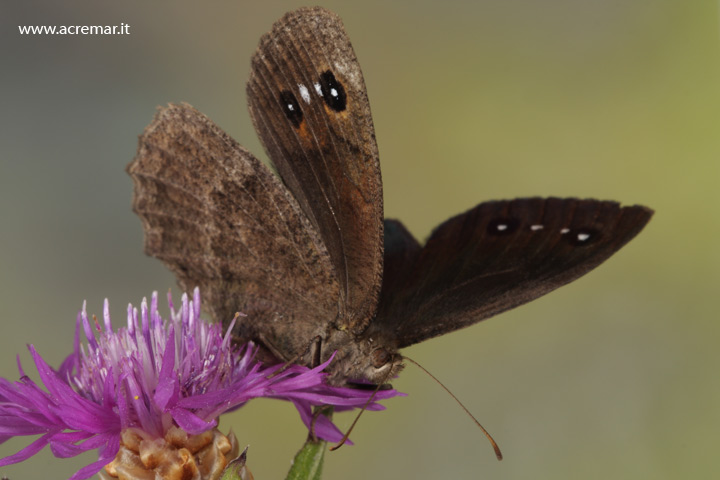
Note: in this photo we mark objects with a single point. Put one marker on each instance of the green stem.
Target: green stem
(308, 462)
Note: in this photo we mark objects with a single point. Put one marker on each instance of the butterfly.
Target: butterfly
(307, 255)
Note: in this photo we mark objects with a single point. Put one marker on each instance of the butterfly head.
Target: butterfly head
(377, 363)
(361, 360)
(383, 365)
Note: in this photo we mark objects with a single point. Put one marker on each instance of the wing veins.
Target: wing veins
(323, 117)
(261, 116)
(296, 250)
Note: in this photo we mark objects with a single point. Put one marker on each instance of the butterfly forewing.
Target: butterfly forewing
(205, 204)
(500, 255)
(308, 102)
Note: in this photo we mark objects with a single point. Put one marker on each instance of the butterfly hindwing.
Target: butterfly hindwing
(221, 220)
(308, 102)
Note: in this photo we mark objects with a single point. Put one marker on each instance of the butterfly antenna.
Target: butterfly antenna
(377, 389)
(498, 453)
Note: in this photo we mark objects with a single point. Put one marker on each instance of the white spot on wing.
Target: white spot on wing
(304, 93)
(318, 88)
(564, 231)
(535, 228)
(582, 237)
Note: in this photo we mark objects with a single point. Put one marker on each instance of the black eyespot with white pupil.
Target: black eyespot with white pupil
(333, 92)
(291, 107)
(503, 226)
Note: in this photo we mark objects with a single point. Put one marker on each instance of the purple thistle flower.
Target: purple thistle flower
(152, 378)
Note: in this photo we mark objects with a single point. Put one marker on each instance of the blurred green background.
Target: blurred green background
(614, 376)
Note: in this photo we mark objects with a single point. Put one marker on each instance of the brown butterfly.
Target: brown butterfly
(307, 255)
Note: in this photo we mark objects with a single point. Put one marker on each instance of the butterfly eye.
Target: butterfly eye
(332, 92)
(291, 107)
(503, 226)
(380, 357)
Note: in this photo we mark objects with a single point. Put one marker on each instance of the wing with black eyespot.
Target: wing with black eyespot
(308, 102)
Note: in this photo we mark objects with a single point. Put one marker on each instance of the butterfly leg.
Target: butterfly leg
(267, 344)
(317, 411)
(313, 348)
(268, 352)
